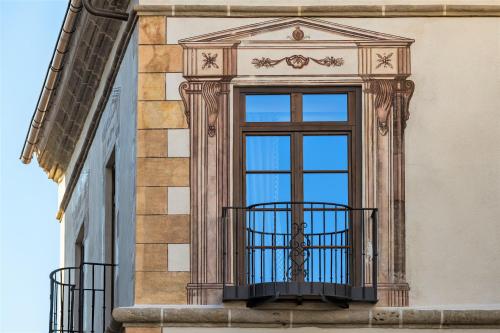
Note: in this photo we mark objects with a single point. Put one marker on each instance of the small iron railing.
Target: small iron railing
(81, 298)
(299, 250)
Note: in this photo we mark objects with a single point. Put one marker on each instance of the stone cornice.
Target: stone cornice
(321, 11)
(405, 317)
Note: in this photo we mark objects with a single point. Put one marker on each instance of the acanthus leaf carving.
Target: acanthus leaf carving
(210, 91)
(183, 91)
(297, 61)
(329, 61)
(383, 92)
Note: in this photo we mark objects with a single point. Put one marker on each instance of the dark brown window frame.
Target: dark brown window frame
(296, 129)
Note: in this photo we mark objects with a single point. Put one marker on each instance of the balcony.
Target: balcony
(299, 251)
(81, 298)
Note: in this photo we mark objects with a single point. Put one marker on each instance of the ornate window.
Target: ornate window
(296, 52)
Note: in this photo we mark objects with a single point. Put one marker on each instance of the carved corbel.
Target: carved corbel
(210, 91)
(384, 93)
(183, 91)
(405, 88)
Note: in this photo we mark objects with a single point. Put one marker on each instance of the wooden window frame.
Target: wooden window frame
(296, 128)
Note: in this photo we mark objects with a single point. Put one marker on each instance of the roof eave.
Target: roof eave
(51, 78)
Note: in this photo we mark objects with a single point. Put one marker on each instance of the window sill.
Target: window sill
(225, 316)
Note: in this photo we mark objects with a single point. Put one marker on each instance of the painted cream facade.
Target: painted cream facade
(169, 120)
(446, 106)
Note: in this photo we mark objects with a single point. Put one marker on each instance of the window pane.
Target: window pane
(267, 228)
(324, 107)
(326, 187)
(268, 152)
(267, 187)
(325, 152)
(267, 108)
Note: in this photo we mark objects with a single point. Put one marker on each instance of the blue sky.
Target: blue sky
(29, 232)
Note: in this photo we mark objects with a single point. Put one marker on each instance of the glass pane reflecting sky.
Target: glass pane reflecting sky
(267, 153)
(326, 187)
(325, 152)
(271, 108)
(324, 107)
(267, 188)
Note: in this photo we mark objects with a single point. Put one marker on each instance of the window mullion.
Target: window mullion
(296, 107)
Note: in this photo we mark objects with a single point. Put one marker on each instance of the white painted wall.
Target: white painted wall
(117, 129)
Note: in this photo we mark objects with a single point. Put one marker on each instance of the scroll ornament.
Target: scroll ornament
(210, 91)
(407, 89)
(297, 61)
(183, 91)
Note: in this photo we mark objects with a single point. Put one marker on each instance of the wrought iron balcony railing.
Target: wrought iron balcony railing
(81, 298)
(299, 250)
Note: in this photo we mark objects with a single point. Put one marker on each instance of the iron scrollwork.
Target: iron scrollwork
(299, 252)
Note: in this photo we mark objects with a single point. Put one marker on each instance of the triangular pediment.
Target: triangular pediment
(295, 29)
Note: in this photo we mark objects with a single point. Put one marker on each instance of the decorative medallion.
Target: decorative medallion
(297, 61)
(384, 60)
(298, 34)
(209, 60)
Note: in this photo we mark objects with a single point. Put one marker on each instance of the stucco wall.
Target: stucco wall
(116, 130)
(453, 163)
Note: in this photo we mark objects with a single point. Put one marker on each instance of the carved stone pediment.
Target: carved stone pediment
(298, 30)
(309, 45)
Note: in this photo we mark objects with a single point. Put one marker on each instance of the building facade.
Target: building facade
(226, 166)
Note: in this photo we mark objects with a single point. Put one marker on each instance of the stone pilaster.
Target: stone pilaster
(390, 102)
(206, 100)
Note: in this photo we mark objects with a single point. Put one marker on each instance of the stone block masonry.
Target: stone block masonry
(162, 266)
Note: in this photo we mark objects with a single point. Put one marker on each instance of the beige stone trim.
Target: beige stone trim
(162, 229)
(197, 316)
(152, 30)
(160, 287)
(162, 173)
(321, 11)
(143, 330)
